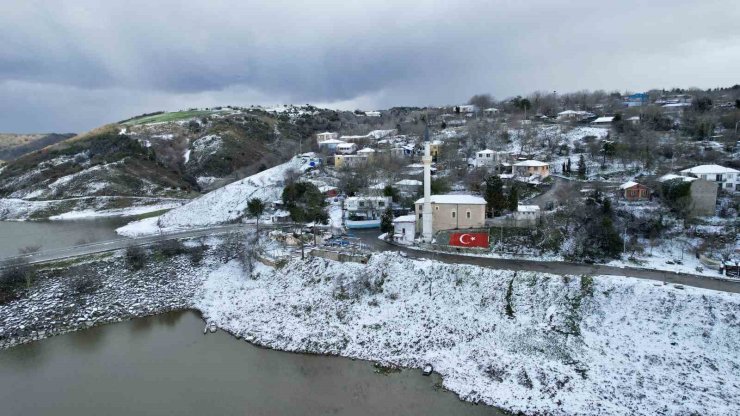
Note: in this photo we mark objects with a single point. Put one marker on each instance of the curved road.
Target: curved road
(371, 240)
(556, 267)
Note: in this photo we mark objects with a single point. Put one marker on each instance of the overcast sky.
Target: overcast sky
(71, 65)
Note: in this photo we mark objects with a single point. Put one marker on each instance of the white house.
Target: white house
(346, 148)
(574, 115)
(330, 144)
(726, 178)
(603, 121)
(372, 113)
(322, 137)
(404, 229)
(527, 214)
(409, 185)
(366, 206)
(491, 111)
(530, 168)
(486, 157)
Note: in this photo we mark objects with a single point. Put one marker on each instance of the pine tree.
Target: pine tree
(494, 194)
(569, 166)
(386, 221)
(582, 167)
(513, 200)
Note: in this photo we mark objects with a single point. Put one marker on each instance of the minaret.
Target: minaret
(426, 214)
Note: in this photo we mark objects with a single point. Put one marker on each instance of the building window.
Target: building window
(728, 185)
(361, 204)
(381, 203)
(436, 208)
(420, 216)
(467, 214)
(454, 214)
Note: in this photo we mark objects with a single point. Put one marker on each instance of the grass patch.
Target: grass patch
(166, 117)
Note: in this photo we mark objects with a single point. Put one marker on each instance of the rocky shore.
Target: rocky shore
(66, 298)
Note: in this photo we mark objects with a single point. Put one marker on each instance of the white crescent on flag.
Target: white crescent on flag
(462, 239)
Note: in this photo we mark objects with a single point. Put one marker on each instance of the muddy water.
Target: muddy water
(15, 235)
(164, 365)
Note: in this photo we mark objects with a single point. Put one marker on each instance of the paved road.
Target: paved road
(556, 267)
(370, 238)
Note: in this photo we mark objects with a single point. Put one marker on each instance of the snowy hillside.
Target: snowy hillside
(223, 205)
(536, 343)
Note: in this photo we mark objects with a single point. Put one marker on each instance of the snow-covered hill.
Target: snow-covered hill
(223, 205)
(536, 343)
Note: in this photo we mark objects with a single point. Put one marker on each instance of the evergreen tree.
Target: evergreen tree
(582, 167)
(513, 200)
(569, 166)
(386, 221)
(305, 202)
(610, 241)
(494, 194)
(391, 192)
(255, 208)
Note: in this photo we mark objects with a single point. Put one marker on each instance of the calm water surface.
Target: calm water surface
(15, 235)
(164, 365)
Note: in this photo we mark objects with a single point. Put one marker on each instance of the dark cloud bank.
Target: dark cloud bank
(76, 64)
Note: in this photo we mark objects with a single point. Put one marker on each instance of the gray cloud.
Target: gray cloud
(76, 64)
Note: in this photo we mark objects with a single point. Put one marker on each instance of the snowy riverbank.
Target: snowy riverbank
(529, 342)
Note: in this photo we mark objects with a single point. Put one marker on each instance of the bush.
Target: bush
(84, 285)
(14, 274)
(135, 257)
(196, 255)
(170, 248)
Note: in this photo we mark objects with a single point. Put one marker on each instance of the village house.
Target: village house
(526, 215)
(574, 115)
(603, 121)
(633, 191)
(490, 111)
(408, 186)
(346, 148)
(404, 229)
(530, 168)
(487, 158)
(450, 212)
(367, 152)
(435, 147)
(727, 179)
(322, 137)
(372, 113)
(341, 161)
(330, 145)
(702, 194)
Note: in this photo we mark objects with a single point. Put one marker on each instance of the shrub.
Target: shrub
(14, 274)
(170, 248)
(135, 257)
(84, 285)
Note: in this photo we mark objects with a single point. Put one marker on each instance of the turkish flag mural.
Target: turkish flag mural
(469, 239)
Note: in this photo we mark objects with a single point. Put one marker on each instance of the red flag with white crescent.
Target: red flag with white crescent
(469, 239)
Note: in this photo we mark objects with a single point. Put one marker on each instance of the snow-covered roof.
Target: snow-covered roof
(531, 163)
(672, 176)
(327, 188)
(705, 169)
(677, 105)
(634, 118)
(366, 150)
(437, 142)
(628, 184)
(527, 208)
(409, 182)
(603, 120)
(455, 199)
(405, 218)
(486, 151)
(492, 110)
(345, 144)
(332, 141)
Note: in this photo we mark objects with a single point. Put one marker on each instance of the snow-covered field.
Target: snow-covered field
(528, 342)
(117, 212)
(223, 205)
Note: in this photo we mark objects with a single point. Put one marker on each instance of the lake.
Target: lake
(164, 365)
(15, 235)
